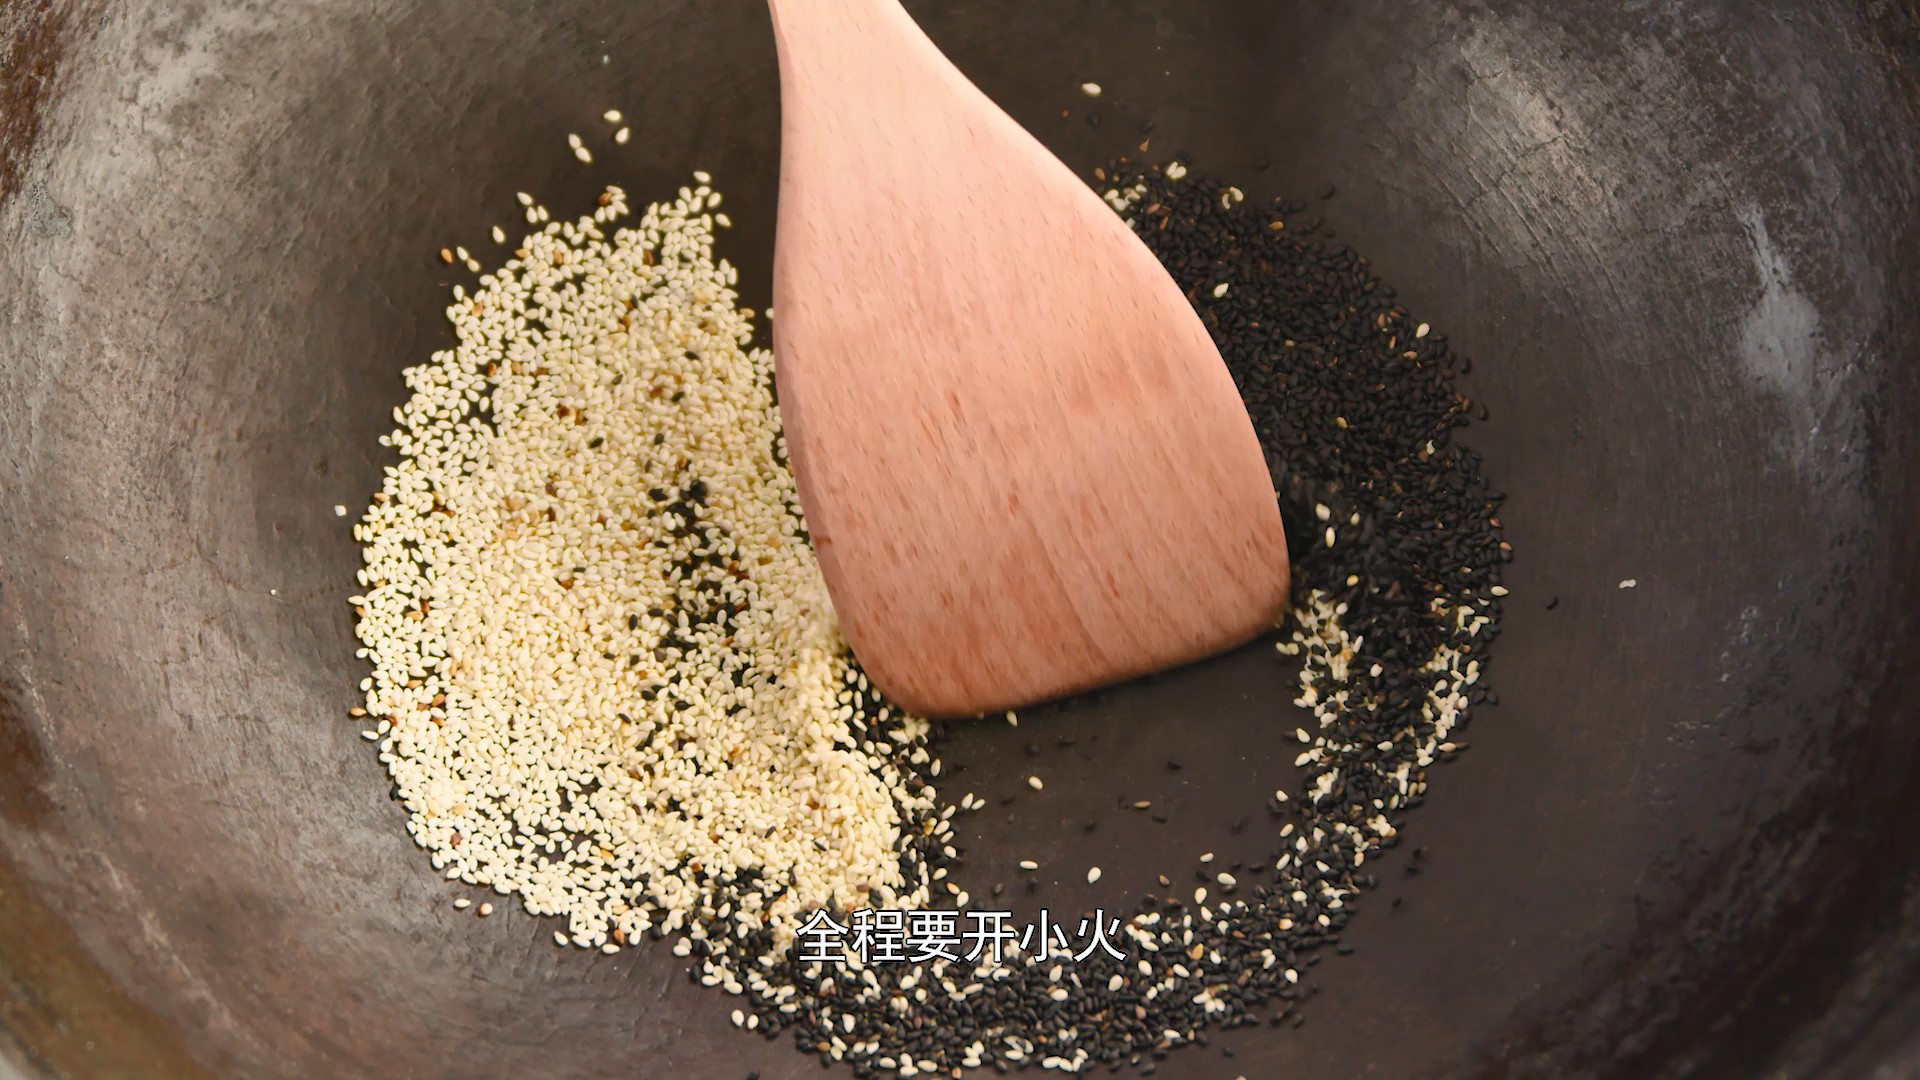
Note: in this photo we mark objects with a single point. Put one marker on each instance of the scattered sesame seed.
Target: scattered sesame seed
(1091, 89)
(612, 116)
(1629, 583)
(1029, 864)
(1034, 783)
(666, 714)
(622, 136)
(461, 903)
(1093, 875)
(339, 511)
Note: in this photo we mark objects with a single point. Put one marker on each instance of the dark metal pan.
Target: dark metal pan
(1681, 241)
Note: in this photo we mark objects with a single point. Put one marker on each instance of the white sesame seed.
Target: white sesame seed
(1498, 590)
(583, 154)
(1034, 783)
(339, 511)
(1091, 89)
(1220, 290)
(486, 909)
(461, 903)
(1029, 864)
(1093, 875)
(574, 141)
(1629, 583)
(622, 136)
(1206, 858)
(1421, 330)
(515, 654)
(612, 116)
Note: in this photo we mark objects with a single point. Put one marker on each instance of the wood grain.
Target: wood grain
(1024, 465)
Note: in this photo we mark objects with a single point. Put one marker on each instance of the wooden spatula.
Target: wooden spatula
(1025, 468)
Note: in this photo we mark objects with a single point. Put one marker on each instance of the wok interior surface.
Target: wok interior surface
(1677, 240)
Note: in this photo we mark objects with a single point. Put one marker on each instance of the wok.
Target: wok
(1678, 239)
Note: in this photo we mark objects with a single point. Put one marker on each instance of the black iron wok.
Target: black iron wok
(1681, 241)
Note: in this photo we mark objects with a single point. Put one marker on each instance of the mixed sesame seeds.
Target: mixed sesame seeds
(607, 679)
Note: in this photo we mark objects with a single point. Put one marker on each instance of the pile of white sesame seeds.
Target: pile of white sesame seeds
(606, 674)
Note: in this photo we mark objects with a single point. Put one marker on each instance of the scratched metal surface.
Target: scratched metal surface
(1677, 238)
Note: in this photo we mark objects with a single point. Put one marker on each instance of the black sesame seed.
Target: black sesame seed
(1346, 398)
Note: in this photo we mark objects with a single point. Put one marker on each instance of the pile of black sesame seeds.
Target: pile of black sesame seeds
(1397, 552)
